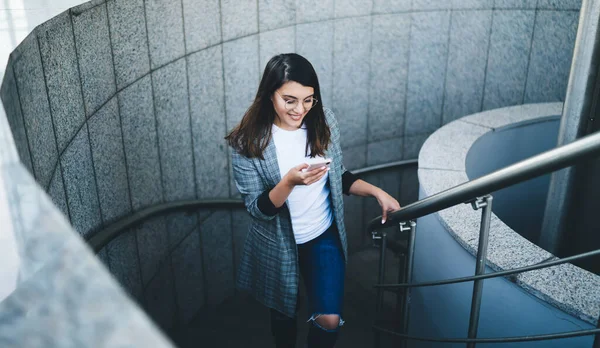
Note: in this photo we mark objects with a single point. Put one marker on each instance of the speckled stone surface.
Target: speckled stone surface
(355, 156)
(431, 5)
(510, 44)
(238, 18)
(472, 4)
(352, 8)
(12, 108)
(242, 73)
(467, 61)
(454, 155)
(427, 70)
(314, 41)
(35, 109)
(275, 42)
(510, 4)
(109, 162)
(389, 71)
(506, 116)
(173, 129)
(217, 252)
(95, 57)
(56, 264)
(129, 40)
(390, 6)
(273, 14)
(392, 71)
(384, 151)
(202, 23)
(553, 39)
(59, 60)
(207, 106)
(442, 166)
(141, 147)
(80, 184)
(77, 10)
(314, 10)
(351, 91)
(559, 4)
(412, 145)
(164, 20)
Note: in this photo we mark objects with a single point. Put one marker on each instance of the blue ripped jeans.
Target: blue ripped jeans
(322, 267)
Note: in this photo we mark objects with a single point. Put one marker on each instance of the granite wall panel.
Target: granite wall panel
(96, 67)
(467, 62)
(171, 99)
(129, 40)
(109, 162)
(209, 122)
(427, 71)
(351, 90)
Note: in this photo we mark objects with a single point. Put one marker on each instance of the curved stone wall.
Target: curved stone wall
(117, 105)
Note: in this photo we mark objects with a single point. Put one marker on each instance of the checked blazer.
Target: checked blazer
(269, 264)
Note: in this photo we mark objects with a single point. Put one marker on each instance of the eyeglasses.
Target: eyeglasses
(291, 104)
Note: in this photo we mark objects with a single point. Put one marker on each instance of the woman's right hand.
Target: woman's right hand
(296, 176)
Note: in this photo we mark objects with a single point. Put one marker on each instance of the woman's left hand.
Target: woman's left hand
(387, 203)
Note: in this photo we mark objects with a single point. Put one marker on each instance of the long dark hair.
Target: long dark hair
(252, 135)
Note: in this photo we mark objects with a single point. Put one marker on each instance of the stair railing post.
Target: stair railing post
(408, 268)
(597, 336)
(484, 202)
(402, 276)
(379, 300)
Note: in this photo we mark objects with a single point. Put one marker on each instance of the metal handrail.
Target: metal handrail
(376, 168)
(530, 168)
(477, 192)
(493, 274)
(528, 338)
(101, 238)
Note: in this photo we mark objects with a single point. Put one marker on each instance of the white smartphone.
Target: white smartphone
(317, 163)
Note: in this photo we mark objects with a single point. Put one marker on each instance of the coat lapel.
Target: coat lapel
(333, 169)
(270, 164)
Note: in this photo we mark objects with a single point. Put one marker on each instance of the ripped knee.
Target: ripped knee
(328, 322)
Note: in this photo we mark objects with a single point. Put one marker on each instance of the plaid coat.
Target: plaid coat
(269, 264)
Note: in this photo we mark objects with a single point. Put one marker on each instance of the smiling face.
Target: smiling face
(288, 115)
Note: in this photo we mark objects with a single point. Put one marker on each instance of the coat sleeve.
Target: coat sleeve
(249, 184)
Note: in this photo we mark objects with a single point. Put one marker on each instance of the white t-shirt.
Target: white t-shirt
(309, 205)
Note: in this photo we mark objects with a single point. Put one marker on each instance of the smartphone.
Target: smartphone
(318, 163)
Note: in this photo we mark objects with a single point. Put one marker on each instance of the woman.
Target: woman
(298, 219)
